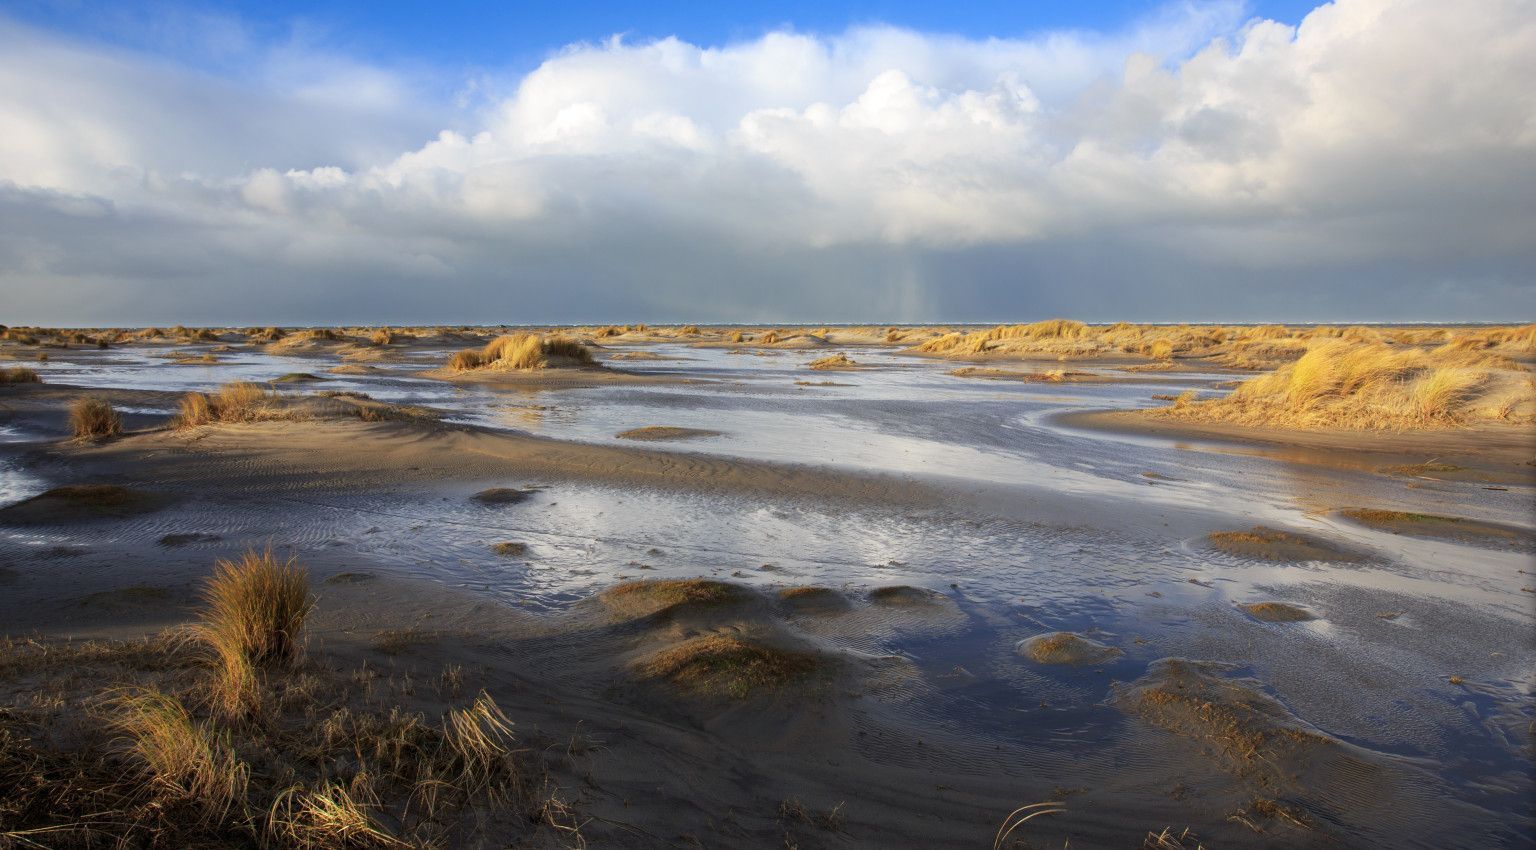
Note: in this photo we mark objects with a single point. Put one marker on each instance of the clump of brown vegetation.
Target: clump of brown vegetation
(255, 614)
(19, 375)
(93, 418)
(1343, 384)
(510, 549)
(131, 754)
(523, 351)
(727, 666)
(239, 401)
(382, 336)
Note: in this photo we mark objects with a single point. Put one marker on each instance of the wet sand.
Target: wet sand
(873, 659)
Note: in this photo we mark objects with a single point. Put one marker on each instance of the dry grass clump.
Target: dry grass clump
(191, 760)
(256, 608)
(382, 336)
(92, 418)
(727, 666)
(1374, 386)
(522, 351)
(510, 549)
(239, 401)
(19, 375)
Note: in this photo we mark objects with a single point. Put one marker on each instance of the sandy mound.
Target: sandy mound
(666, 432)
(1456, 529)
(1277, 612)
(638, 599)
(503, 495)
(1066, 648)
(1271, 544)
(724, 666)
(76, 502)
(903, 594)
(813, 599)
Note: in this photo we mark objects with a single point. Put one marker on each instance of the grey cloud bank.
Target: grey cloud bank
(1377, 162)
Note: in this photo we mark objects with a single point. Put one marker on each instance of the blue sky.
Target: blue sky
(1192, 160)
(457, 33)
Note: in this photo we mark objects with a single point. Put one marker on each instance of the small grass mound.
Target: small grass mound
(510, 549)
(1271, 544)
(724, 666)
(903, 595)
(523, 351)
(812, 598)
(92, 418)
(657, 596)
(833, 361)
(1066, 648)
(1277, 612)
(297, 378)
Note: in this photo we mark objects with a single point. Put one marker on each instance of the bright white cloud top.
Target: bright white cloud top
(1379, 160)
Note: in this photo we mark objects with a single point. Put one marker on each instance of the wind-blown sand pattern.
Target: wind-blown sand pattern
(1265, 586)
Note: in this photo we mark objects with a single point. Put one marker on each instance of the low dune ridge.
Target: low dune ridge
(1437, 527)
(1373, 386)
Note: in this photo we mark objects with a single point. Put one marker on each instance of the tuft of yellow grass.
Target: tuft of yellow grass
(331, 816)
(187, 758)
(92, 418)
(255, 615)
(382, 336)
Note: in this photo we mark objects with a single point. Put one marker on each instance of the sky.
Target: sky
(350, 162)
